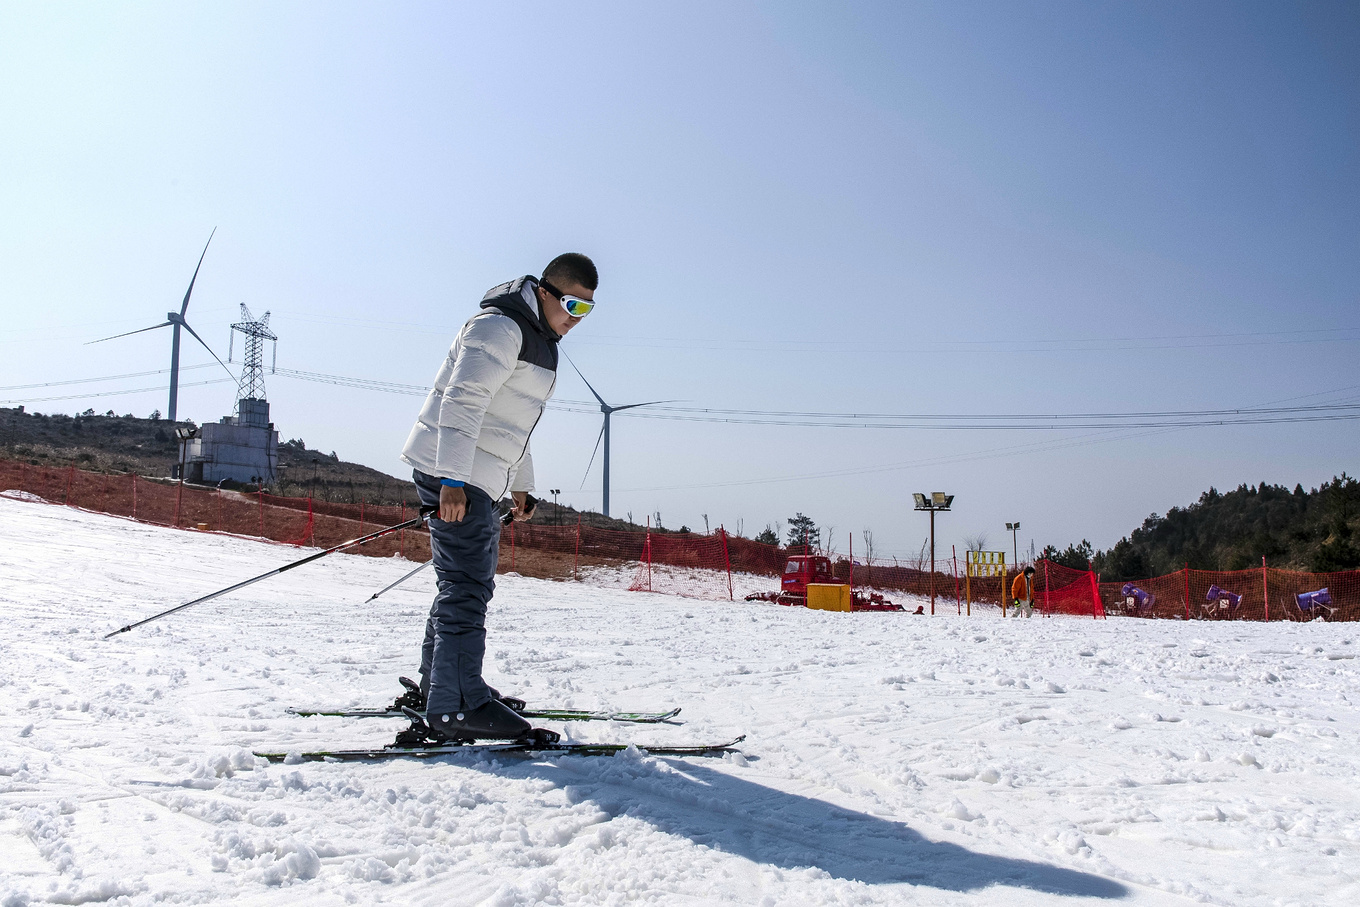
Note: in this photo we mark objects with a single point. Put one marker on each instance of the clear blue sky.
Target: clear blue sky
(893, 208)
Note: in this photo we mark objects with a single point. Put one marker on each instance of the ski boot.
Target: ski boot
(492, 721)
(414, 698)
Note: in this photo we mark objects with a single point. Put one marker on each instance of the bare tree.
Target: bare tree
(869, 547)
(975, 542)
(707, 531)
(830, 549)
(921, 560)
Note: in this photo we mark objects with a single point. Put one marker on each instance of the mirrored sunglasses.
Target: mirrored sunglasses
(576, 306)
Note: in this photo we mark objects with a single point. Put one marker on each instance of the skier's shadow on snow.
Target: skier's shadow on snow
(766, 826)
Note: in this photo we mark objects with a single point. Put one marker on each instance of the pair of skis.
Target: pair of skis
(540, 714)
(418, 742)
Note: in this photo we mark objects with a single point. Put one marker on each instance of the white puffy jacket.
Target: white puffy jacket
(488, 395)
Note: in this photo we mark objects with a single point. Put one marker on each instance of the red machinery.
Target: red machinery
(802, 569)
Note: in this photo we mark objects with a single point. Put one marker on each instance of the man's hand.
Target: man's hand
(525, 505)
(452, 504)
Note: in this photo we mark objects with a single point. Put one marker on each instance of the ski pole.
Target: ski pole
(400, 581)
(507, 516)
(424, 512)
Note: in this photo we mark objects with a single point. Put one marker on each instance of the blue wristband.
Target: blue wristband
(452, 483)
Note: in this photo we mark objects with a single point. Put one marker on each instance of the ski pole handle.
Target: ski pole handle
(508, 516)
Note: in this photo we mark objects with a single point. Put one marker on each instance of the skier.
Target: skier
(1022, 592)
(469, 448)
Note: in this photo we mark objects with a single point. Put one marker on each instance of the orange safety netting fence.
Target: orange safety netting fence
(1261, 593)
(696, 566)
(686, 563)
(296, 521)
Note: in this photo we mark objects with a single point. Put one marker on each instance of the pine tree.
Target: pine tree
(804, 532)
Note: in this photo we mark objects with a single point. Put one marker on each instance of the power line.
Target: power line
(388, 387)
(139, 390)
(159, 371)
(935, 421)
(1037, 345)
(991, 454)
(1119, 421)
(1245, 419)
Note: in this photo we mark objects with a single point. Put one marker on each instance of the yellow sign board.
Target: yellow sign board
(986, 563)
(982, 565)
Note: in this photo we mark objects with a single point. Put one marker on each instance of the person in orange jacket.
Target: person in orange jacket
(1022, 592)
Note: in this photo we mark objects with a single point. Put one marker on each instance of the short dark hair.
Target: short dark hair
(1029, 569)
(573, 267)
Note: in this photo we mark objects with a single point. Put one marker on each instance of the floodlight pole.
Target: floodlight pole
(932, 560)
(937, 500)
(1015, 551)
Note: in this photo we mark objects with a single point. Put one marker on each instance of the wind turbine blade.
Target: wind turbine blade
(592, 456)
(652, 403)
(583, 378)
(208, 348)
(163, 324)
(183, 308)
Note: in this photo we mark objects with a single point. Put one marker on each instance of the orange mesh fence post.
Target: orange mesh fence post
(958, 598)
(259, 494)
(1097, 608)
(179, 499)
(1187, 590)
(361, 516)
(727, 563)
(1048, 608)
(1265, 588)
(512, 545)
(576, 561)
(70, 477)
(401, 544)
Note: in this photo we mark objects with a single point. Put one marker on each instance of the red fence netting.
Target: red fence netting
(1260, 593)
(289, 520)
(1062, 590)
(695, 565)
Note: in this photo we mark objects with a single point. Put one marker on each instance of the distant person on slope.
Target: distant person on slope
(470, 448)
(1022, 592)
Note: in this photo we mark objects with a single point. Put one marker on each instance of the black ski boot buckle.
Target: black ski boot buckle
(412, 698)
(539, 736)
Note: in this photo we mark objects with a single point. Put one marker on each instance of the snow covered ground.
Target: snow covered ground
(890, 759)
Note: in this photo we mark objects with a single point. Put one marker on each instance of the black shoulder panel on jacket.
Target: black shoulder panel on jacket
(538, 345)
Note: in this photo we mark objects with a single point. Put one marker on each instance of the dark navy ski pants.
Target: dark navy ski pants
(465, 555)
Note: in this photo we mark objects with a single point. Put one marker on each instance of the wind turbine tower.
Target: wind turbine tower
(175, 321)
(604, 432)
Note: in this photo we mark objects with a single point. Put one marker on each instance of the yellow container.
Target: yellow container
(828, 596)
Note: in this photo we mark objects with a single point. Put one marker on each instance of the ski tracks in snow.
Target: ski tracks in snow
(890, 759)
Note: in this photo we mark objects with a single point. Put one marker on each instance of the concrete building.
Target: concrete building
(243, 447)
